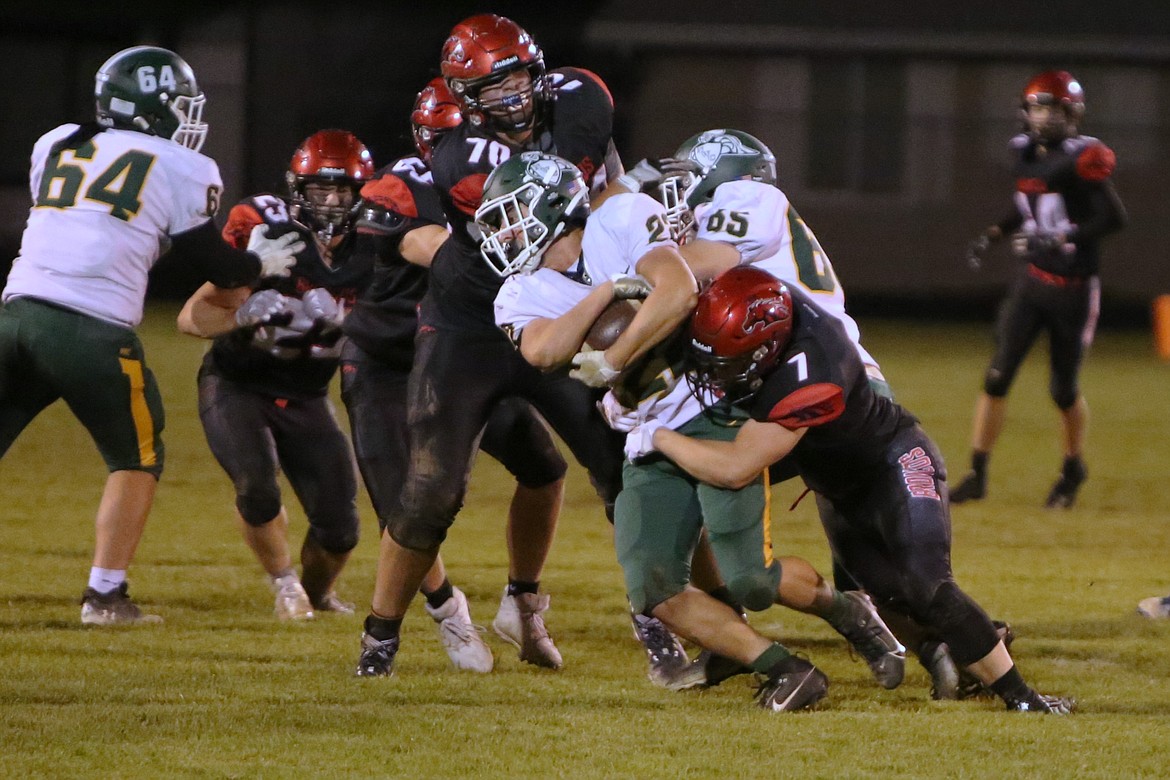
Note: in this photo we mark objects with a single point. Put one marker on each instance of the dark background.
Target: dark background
(889, 121)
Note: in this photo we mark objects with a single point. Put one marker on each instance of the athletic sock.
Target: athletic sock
(838, 613)
(381, 628)
(438, 597)
(770, 658)
(516, 587)
(106, 580)
(979, 463)
(1011, 686)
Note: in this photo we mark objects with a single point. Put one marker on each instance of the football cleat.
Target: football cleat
(520, 621)
(668, 658)
(331, 602)
(948, 680)
(869, 635)
(1046, 705)
(795, 684)
(115, 608)
(377, 658)
(460, 637)
(1155, 607)
(292, 603)
(1064, 493)
(972, 488)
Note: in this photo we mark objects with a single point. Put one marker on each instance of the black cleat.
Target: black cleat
(947, 679)
(868, 635)
(1064, 492)
(377, 658)
(795, 684)
(706, 671)
(669, 664)
(1045, 705)
(972, 488)
(115, 608)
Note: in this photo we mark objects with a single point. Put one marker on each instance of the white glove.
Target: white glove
(277, 255)
(629, 287)
(640, 441)
(267, 307)
(320, 305)
(591, 367)
(641, 176)
(617, 416)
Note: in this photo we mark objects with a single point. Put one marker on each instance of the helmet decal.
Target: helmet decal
(714, 144)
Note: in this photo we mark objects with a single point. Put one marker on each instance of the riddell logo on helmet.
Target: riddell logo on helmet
(764, 312)
(702, 347)
(506, 62)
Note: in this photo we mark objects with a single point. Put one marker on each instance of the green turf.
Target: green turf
(222, 690)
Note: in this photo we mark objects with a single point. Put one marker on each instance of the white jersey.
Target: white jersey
(758, 220)
(617, 236)
(101, 216)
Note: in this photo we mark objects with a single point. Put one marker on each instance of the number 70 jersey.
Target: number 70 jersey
(101, 216)
(758, 220)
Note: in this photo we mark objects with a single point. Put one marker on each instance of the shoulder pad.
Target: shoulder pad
(809, 406)
(1096, 162)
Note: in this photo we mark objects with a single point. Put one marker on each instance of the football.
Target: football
(611, 323)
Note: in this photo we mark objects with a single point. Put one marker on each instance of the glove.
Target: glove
(640, 441)
(1037, 243)
(317, 322)
(641, 176)
(277, 255)
(629, 287)
(976, 251)
(591, 367)
(617, 416)
(266, 307)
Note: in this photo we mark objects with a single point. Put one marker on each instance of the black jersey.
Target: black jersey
(384, 319)
(577, 126)
(820, 383)
(1064, 188)
(345, 277)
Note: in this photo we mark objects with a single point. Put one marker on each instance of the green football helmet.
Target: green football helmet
(153, 91)
(528, 201)
(714, 157)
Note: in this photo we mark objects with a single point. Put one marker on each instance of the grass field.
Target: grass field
(222, 690)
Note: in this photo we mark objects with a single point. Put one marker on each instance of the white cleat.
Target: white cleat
(460, 637)
(520, 621)
(1155, 607)
(292, 603)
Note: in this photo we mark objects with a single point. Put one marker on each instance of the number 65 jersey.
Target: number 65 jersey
(101, 216)
(759, 221)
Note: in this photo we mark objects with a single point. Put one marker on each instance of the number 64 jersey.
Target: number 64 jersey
(101, 216)
(759, 221)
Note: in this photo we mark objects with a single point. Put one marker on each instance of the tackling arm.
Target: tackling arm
(419, 246)
(729, 464)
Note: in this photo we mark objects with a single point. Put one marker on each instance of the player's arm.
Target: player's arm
(729, 464)
(1108, 215)
(707, 259)
(672, 297)
(550, 343)
(216, 260)
(419, 246)
(211, 310)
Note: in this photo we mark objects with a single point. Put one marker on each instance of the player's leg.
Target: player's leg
(910, 503)
(318, 461)
(239, 427)
(101, 373)
(23, 392)
(517, 437)
(446, 415)
(1073, 325)
(1017, 326)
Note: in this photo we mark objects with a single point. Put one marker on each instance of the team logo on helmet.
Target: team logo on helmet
(715, 144)
(544, 171)
(765, 312)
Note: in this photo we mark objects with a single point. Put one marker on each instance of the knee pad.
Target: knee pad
(337, 535)
(996, 383)
(966, 628)
(422, 526)
(652, 582)
(756, 591)
(1064, 394)
(258, 509)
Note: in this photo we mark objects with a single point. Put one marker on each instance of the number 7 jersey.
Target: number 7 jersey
(101, 216)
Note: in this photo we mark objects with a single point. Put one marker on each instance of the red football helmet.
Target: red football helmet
(1053, 88)
(435, 112)
(481, 52)
(740, 327)
(324, 178)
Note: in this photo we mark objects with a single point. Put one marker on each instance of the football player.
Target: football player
(1064, 204)
(400, 203)
(107, 196)
(510, 103)
(263, 384)
(769, 351)
(561, 273)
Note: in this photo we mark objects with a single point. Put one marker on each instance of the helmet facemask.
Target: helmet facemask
(672, 194)
(188, 110)
(514, 240)
(729, 379)
(511, 111)
(328, 206)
